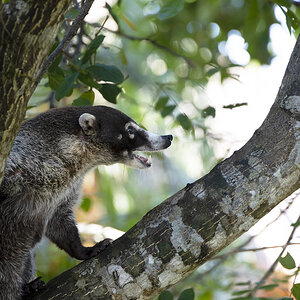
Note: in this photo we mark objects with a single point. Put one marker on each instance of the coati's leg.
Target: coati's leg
(32, 285)
(11, 280)
(62, 230)
(17, 240)
(29, 269)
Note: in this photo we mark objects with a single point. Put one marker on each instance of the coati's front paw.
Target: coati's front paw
(97, 248)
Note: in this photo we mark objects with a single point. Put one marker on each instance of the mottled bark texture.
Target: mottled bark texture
(190, 227)
(27, 33)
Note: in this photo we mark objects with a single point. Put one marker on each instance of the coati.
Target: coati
(43, 178)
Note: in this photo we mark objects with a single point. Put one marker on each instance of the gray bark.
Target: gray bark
(27, 33)
(188, 228)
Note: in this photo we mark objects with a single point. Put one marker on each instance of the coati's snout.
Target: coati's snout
(167, 140)
(123, 137)
(142, 140)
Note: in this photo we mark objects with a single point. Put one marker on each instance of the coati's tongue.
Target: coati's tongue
(144, 160)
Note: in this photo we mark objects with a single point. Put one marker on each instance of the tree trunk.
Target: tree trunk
(187, 229)
(27, 33)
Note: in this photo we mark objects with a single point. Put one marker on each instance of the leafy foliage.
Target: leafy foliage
(287, 261)
(296, 291)
(168, 47)
(77, 73)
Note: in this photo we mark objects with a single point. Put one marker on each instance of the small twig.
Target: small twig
(153, 42)
(102, 25)
(68, 37)
(51, 99)
(296, 274)
(252, 250)
(273, 266)
(222, 258)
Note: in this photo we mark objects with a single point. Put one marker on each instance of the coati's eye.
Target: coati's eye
(130, 130)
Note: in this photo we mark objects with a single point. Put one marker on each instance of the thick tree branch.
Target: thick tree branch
(190, 227)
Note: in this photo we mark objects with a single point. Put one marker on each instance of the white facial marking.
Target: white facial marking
(135, 126)
(119, 137)
(156, 141)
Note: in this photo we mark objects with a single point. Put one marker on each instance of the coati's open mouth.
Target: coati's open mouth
(145, 161)
(155, 143)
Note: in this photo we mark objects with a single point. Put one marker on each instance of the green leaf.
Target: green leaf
(268, 287)
(30, 107)
(56, 79)
(105, 72)
(296, 224)
(170, 9)
(293, 19)
(287, 261)
(187, 294)
(89, 81)
(89, 95)
(166, 295)
(296, 291)
(81, 102)
(208, 295)
(86, 98)
(72, 13)
(167, 110)
(286, 3)
(212, 71)
(288, 20)
(243, 283)
(208, 111)
(66, 87)
(86, 204)
(110, 92)
(184, 121)
(92, 48)
(245, 298)
(161, 103)
(108, 7)
(54, 66)
(241, 292)
(231, 106)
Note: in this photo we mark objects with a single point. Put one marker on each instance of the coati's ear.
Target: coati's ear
(88, 123)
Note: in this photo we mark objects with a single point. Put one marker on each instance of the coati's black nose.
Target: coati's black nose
(168, 137)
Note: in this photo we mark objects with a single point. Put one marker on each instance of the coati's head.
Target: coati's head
(115, 133)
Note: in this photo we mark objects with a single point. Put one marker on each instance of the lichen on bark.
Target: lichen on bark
(27, 33)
